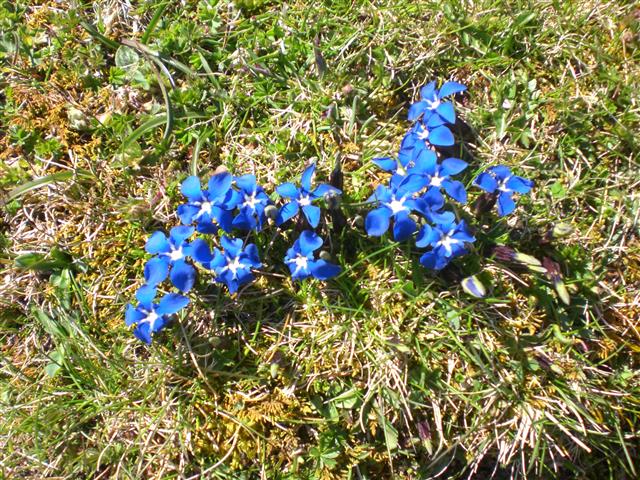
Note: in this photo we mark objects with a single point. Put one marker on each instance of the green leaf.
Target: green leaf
(126, 57)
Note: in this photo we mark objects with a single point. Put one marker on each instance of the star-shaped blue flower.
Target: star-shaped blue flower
(170, 260)
(447, 240)
(397, 202)
(438, 176)
(432, 107)
(209, 208)
(302, 263)
(253, 201)
(303, 198)
(148, 317)
(232, 266)
(501, 182)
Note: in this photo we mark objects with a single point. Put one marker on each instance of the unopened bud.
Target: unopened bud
(473, 286)
(561, 230)
(333, 201)
(271, 212)
(358, 221)
(324, 255)
(531, 263)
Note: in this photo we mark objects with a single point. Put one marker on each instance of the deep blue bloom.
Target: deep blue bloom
(397, 202)
(171, 258)
(447, 241)
(431, 106)
(149, 317)
(212, 207)
(252, 204)
(233, 265)
(303, 198)
(499, 180)
(302, 263)
(438, 176)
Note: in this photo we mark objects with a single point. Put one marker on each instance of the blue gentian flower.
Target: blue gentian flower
(448, 241)
(252, 204)
(233, 265)
(171, 254)
(303, 198)
(149, 317)
(435, 111)
(500, 181)
(396, 202)
(438, 176)
(302, 263)
(209, 208)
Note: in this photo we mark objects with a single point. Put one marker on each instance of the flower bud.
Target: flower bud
(358, 221)
(271, 212)
(530, 262)
(324, 255)
(473, 286)
(561, 230)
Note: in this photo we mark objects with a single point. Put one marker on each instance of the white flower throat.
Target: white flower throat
(397, 206)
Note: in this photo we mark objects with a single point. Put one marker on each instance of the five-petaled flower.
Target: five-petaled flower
(170, 260)
(303, 198)
(432, 107)
(251, 205)
(149, 317)
(302, 263)
(232, 266)
(501, 182)
(438, 176)
(447, 241)
(212, 207)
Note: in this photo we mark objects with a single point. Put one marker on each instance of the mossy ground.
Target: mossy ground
(389, 371)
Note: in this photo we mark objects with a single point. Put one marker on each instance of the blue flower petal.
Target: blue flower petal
(220, 184)
(145, 295)
(428, 90)
(441, 218)
(232, 246)
(287, 212)
(287, 190)
(190, 188)
(157, 243)
(412, 184)
(219, 260)
(179, 234)
(143, 332)
(182, 275)
(500, 171)
(312, 214)
(426, 162)
(506, 205)
(486, 182)
(186, 213)
(156, 270)
(307, 175)
(386, 163)
(446, 111)
(519, 184)
(451, 88)
(377, 221)
(224, 218)
(403, 226)
(246, 182)
(434, 120)
(453, 166)
(309, 242)
(171, 303)
(441, 137)
(199, 250)
(323, 270)
(132, 315)
(253, 257)
(433, 261)
(324, 189)
(455, 190)
(427, 236)
(416, 110)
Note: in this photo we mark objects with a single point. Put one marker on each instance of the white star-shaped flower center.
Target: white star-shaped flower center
(304, 200)
(502, 186)
(447, 241)
(234, 265)
(151, 320)
(251, 201)
(205, 207)
(397, 206)
(423, 134)
(436, 181)
(176, 254)
(433, 104)
(302, 263)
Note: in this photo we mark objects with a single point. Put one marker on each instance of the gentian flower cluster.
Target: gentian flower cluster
(227, 203)
(417, 203)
